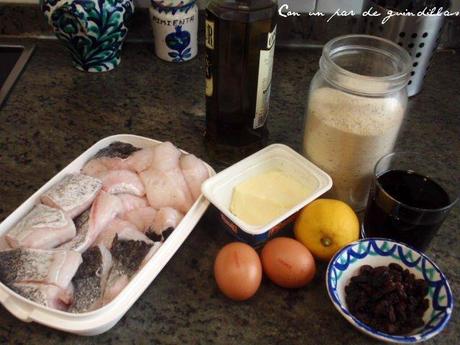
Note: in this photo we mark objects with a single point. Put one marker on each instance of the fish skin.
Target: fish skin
(128, 256)
(90, 280)
(55, 267)
(19, 264)
(117, 149)
(45, 294)
(112, 157)
(78, 243)
(73, 194)
(43, 227)
(163, 236)
(94, 167)
(153, 250)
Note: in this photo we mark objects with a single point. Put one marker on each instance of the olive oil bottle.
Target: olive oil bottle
(240, 43)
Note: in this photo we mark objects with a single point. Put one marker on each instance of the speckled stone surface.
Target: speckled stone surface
(55, 112)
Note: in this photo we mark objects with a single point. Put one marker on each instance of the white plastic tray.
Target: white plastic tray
(103, 319)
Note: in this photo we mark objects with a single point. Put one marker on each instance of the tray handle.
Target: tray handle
(15, 307)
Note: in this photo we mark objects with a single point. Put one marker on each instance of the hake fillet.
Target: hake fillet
(195, 173)
(142, 217)
(124, 230)
(113, 157)
(91, 223)
(164, 156)
(44, 227)
(167, 189)
(73, 194)
(45, 294)
(122, 181)
(24, 265)
(128, 256)
(90, 280)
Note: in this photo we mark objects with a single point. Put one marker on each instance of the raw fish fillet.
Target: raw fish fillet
(45, 294)
(131, 202)
(195, 173)
(153, 250)
(44, 227)
(82, 225)
(112, 157)
(73, 194)
(105, 208)
(143, 218)
(122, 181)
(165, 222)
(4, 245)
(167, 189)
(164, 156)
(117, 149)
(94, 167)
(90, 280)
(167, 217)
(55, 267)
(127, 259)
(114, 163)
(123, 229)
(115, 284)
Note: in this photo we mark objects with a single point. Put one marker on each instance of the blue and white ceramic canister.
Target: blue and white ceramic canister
(92, 30)
(175, 26)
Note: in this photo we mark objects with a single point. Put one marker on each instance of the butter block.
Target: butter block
(261, 198)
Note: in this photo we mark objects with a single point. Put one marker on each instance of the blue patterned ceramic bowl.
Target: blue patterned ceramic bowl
(381, 252)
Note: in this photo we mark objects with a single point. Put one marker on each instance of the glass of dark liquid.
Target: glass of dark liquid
(410, 197)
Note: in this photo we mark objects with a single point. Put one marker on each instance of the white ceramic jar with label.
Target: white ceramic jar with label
(175, 27)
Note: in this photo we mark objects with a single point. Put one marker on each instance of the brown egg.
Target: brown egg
(238, 271)
(288, 263)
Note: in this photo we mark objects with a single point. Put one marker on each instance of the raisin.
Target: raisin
(365, 269)
(389, 299)
(395, 267)
(391, 314)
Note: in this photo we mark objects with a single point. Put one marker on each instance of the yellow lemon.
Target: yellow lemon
(325, 226)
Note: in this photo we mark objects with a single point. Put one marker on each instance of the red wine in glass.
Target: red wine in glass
(407, 207)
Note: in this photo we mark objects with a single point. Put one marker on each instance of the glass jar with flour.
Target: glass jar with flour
(356, 106)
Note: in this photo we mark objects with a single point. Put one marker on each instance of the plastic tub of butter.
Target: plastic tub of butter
(219, 189)
(104, 318)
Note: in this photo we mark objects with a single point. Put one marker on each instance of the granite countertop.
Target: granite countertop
(55, 112)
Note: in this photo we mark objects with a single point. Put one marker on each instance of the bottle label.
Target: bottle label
(264, 80)
(209, 34)
(209, 42)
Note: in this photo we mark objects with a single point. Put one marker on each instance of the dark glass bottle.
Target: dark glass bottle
(240, 39)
